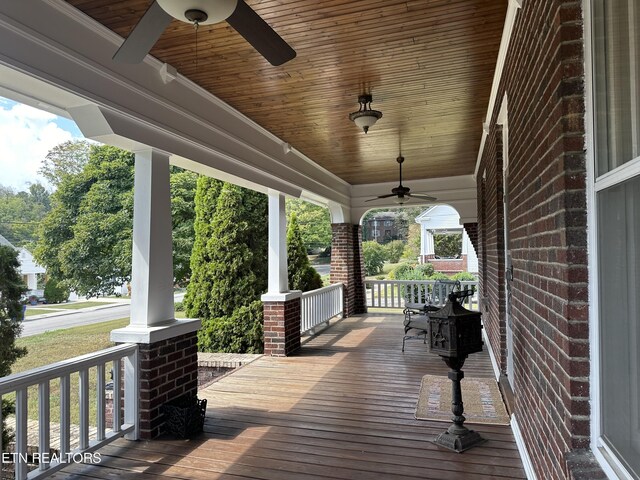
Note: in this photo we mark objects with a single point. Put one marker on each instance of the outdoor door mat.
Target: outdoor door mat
(480, 396)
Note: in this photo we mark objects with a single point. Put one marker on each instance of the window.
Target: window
(616, 103)
(619, 268)
(616, 58)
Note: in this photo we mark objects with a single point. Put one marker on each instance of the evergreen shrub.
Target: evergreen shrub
(55, 292)
(239, 332)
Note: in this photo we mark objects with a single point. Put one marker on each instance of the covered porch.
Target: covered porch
(343, 408)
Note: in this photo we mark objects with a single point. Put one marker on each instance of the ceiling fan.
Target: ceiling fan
(204, 12)
(402, 192)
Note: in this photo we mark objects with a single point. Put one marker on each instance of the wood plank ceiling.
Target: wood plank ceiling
(428, 63)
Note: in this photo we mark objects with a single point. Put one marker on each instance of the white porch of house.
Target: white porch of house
(167, 120)
(444, 219)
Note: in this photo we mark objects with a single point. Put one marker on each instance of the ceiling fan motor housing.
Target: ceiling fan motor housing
(214, 11)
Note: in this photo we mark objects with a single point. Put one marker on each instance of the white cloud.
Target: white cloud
(26, 136)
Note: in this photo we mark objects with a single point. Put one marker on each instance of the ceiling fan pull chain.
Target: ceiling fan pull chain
(196, 25)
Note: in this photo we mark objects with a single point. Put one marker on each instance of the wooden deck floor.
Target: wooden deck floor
(342, 409)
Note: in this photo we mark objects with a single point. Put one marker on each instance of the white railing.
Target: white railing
(319, 306)
(393, 293)
(42, 377)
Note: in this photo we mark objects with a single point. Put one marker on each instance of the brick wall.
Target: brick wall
(472, 232)
(449, 266)
(347, 266)
(282, 327)
(544, 81)
(168, 369)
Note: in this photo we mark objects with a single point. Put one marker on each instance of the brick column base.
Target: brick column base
(582, 465)
(282, 325)
(168, 370)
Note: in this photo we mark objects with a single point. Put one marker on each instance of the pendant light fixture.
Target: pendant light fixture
(365, 117)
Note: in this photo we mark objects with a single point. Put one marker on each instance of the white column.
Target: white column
(32, 281)
(278, 278)
(429, 247)
(152, 259)
(152, 313)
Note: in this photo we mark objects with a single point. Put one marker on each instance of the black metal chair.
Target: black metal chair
(416, 315)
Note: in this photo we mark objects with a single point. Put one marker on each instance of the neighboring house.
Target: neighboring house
(382, 227)
(29, 269)
(443, 219)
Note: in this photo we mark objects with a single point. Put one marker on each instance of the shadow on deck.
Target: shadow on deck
(342, 409)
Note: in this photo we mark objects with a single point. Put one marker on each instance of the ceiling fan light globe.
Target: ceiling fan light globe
(216, 10)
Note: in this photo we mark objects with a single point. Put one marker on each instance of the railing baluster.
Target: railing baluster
(386, 294)
(65, 415)
(131, 394)
(84, 408)
(21, 434)
(117, 419)
(100, 400)
(44, 414)
(413, 291)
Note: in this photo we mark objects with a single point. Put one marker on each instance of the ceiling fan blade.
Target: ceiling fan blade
(381, 196)
(260, 35)
(421, 196)
(144, 35)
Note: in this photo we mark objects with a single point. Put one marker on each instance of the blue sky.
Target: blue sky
(26, 135)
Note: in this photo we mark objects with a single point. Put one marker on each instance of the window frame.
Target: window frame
(597, 183)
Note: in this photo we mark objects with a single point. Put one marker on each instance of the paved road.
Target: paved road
(33, 327)
(79, 317)
(322, 269)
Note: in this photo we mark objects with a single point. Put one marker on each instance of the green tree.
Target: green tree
(183, 191)
(198, 297)
(393, 251)
(448, 245)
(229, 266)
(68, 158)
(374, 256)
(11, 289)
(314, 222)
(21, 213)
(55, 291)
(412, 249)
(302, 276)
(85, 241)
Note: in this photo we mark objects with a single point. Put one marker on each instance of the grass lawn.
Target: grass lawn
(75, 306)
(51, 347)
(30, 312)
(389, 266)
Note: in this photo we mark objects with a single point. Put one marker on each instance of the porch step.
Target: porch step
(226, 360)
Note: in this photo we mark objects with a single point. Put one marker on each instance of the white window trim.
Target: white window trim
(608, 461)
